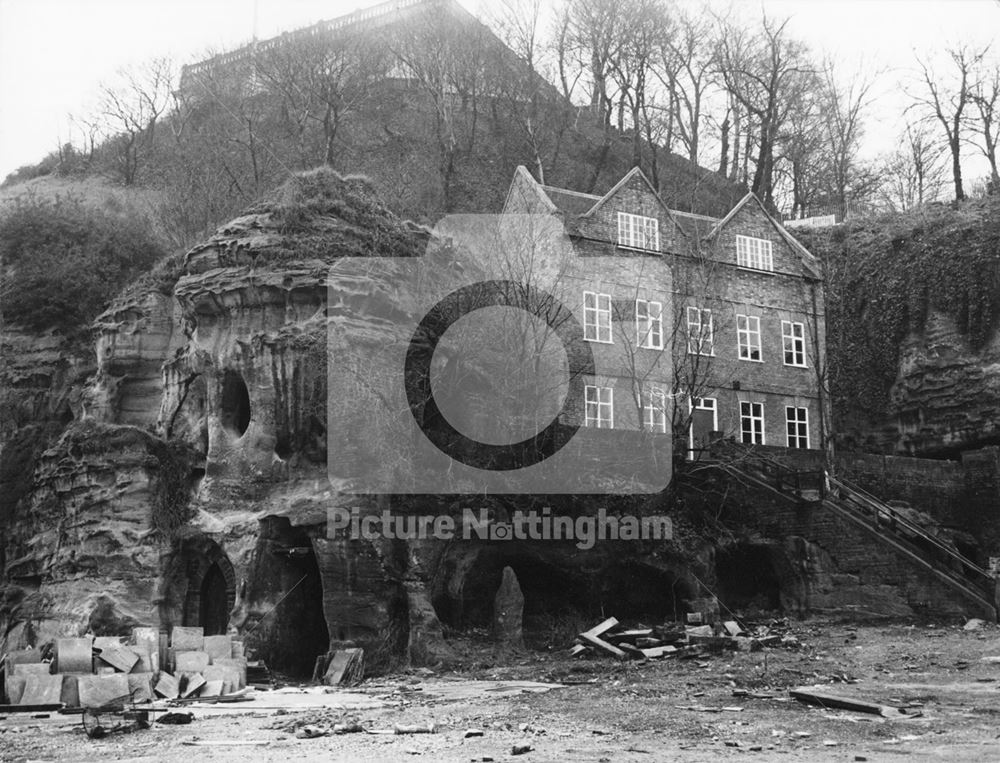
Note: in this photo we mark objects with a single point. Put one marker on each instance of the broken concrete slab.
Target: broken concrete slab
(218, 646)
(140, 686)
(190, 662)
(75, 655)
(104, 642)
(41, 689)
(167, 686)
(187, 639)
(96, 691)
(346, 667)
(119, 657)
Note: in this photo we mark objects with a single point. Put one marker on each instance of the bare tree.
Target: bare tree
(915, 173)
(689, 73)
(132, 107)
(843, 108)
(986, 97)
(766, 72)
(944, 100)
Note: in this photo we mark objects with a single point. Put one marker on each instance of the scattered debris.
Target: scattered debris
(420, 728)
(521, 749)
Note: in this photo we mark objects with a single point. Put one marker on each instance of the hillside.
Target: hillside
(913, 307)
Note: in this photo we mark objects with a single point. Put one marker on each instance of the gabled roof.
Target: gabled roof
(635, 171)
(808, 260)
(571, 202)
(522, 174)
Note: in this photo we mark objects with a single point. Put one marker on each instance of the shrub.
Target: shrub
(61, 262)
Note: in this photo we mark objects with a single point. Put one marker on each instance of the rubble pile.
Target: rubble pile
(690, 639)
(92, 672)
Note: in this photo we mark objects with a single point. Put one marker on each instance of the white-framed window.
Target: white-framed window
(649, 324)
(600, 407)
(700, 335)
(656, 410)
(752, 423)
(748, 336)
(638, 232)
(797, 426)
(793, 343)
(704, 421)
(597, 317)
(754, 253)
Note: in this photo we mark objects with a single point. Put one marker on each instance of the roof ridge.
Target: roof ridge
(569, 191)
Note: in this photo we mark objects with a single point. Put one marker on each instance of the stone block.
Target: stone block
(104, 642)
(14, 686)
(167, 686)
(75, 655)
(148, 662)
(41, 689)
(187, 639)
(239, 665)
(218, 646)
(70, 691)
(212, 688)
(191, 683)
(145, 635)
(238, 650)
(96, 691)
(32, 669)
(22, 656)
(190, 662)
(119, 657)
(140, 686)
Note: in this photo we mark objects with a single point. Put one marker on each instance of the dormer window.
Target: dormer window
(754, 253)
(638, 232)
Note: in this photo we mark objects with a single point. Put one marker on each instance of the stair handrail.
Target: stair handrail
(880, 507)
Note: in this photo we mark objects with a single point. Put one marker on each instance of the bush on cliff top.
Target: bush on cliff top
(61, 262)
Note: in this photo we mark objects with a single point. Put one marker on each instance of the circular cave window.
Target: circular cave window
(235, 404)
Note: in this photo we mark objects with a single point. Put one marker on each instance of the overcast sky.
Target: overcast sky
(54, 53)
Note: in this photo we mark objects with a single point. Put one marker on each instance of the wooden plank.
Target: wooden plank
(577, 649)
(655, 652)
(346, 667)
(602, 628)
(816, 696)
(604, 645)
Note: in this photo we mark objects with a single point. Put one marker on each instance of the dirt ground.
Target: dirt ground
(946, 679)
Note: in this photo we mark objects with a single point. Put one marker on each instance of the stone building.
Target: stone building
(741, 314)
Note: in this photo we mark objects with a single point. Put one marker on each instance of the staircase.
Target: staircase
(871, 515)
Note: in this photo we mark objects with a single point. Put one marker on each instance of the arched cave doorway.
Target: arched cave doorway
(747, 581)
(214, 606)
(234, 404)
(198, 586)
(286, 598)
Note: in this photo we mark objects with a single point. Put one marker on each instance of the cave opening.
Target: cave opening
(292, 630)
(235, 404)
(746, 578)
(214, 605)
(560, 598)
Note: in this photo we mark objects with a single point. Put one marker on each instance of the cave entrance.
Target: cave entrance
(746, 577)
(199, 586)
(234, 405)
(214, 606)
(561, 597)
(287, 589)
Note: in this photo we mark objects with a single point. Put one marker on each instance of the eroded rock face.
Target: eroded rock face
(947, 396)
